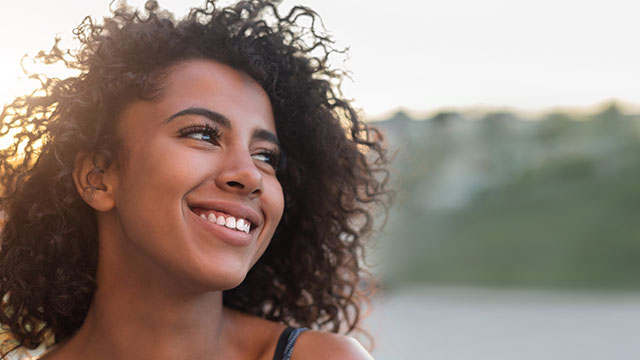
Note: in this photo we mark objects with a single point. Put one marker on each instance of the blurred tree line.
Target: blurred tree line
(497, 199)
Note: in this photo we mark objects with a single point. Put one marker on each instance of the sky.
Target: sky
(422, 56)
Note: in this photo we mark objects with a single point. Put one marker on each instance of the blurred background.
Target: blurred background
(514, 127)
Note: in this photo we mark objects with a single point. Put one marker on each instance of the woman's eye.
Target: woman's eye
(200, 136)
(199, 132)
(269, 157)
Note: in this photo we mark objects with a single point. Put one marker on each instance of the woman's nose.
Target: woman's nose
(240, 174)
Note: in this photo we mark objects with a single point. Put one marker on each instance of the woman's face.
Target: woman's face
(197, 194)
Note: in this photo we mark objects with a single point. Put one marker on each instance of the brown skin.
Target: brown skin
(161, 268)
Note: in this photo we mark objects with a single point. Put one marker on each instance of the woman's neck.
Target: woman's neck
(122, 326)
(141, 310)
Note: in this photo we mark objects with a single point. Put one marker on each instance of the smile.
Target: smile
(223, 219)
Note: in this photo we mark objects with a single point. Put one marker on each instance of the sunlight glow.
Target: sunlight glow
(421, 55)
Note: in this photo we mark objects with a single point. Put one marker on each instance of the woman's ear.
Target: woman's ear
(95, 184)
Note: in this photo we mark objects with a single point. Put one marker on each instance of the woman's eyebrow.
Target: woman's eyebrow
(211, 115)
(265, 135)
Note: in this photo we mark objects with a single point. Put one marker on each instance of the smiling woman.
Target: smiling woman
(198, 191)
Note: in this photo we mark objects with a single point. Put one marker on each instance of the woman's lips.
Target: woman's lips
(231, 236)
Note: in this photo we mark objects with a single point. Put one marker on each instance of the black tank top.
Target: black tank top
(286, 342)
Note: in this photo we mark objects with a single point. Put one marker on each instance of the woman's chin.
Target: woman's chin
(220, 280)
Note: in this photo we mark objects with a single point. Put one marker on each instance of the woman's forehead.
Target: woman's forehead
(213, 86)
(212, 73)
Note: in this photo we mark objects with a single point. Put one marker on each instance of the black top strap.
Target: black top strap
(287, 340)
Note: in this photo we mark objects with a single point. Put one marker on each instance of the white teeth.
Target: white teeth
(231, 222)
(240, 224)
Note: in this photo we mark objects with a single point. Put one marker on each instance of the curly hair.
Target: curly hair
(335, 173)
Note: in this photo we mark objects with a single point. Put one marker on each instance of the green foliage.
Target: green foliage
(500, 200)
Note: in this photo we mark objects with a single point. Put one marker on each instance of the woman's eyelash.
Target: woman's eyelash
(270, 157)
(205, 132)
(201, 132)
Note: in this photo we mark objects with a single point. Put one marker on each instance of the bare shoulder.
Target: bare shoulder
(310, 344)
(322, 345)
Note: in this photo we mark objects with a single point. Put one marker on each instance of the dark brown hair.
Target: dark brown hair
(311, 274)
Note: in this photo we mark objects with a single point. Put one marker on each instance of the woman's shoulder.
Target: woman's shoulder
(322, 345)
(309, 344)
